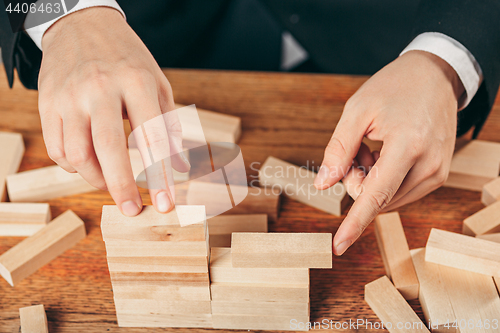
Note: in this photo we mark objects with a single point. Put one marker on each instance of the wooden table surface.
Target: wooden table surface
(290, 116)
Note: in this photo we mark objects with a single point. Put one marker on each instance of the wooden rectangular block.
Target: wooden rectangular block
(168, 278)
(491, 237)
(298, 184)
(35, 251)
(45, 184)
(125, 248)
(390, 306)
(491, 192)
(260, 292)
(146, 306)
(137, 289)
(248, 322)
(433, 295)
(497, 283)
(474, 164)
(395, 253)
(217, 127)
(12, 151)
(222, 270)
(23, 219)
(164, 320)
(221, 227)
(172, 264)
(261, 308)
(215, 197)
(486, 221)
(33, 319)
(282, 250)
(463, 252)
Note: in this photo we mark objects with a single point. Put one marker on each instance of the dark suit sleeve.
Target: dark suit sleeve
(475, 24)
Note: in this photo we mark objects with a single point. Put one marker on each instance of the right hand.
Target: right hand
(95, 71)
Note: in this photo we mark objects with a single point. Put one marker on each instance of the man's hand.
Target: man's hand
(95, 70)
(411, 106)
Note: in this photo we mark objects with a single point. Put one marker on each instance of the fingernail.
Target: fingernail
(130, 208)
(163, 203)
(322, 176)
(342, 247)
(184, 158)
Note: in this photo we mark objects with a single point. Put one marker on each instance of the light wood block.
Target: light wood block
(390, 306)
(33, 319)
(433, 294)
(497, 283)
(222, 270)
(172, 264)
(474, 165)
(248, 322)
(125, 248)
(215, 197)
(45, 184)
(491, 192)
(395, 253)
(164, 320)
(138, 168)
(221, 227)
(486, 221)
(217, 127)
(298, 184)
(171, 278)
(260, 308)
(490, 237)
(282, 250)
(12, 151)
(137, 289)
(463, 252)
(23, 219)
(35, 251)
(260, 292)
(146, 306)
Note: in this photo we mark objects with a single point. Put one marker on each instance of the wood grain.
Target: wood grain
(289, 116)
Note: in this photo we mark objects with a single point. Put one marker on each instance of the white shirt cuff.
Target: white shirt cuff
(36, 33)
(457, 56)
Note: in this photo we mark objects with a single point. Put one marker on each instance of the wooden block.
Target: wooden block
(33, 319)
(146, 306)
(390, 306)
(221, 227)
(164, 320)
(474, 164)
(125, 248)
(491, 237)
(35, 251)
(433, 295)
(486, 221)
(45, 184)
(260, 292)
(298, 184)
(463, 252)
(23, 219)
(395, 253)
(172, 264)
(497, 283)
(222, 270)
(130, 289)
(260, 308)
(217, 127)
(170, 278)
(248, 322)
(184, 223)
(491, 192)
(12, 151)
(138, 167)
(215, 198)
(281, 250)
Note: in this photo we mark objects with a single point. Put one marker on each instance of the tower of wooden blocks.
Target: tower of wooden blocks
(159, 267)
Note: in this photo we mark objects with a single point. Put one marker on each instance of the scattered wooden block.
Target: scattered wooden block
(216, 199)
(260, 292)
(217, 127)
(247, 322)
(298, 184)
(23, 219)
(146, 306)
(463, 252)
(282, 250)
(395, 253)
(491, 192)
(390, 306)
(486, 221)
(474, 164)
(260, 308)
(45, 184)
(221, 227)
(35, 251)
(433, 294)
(164, 320)
(12, 151)
(33, 319)
(222, 270)
(138, 168)
(490, 237)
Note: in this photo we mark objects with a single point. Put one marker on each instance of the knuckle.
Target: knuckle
(441, 177)
(378, 199)
(335, 148)
(77, 156)
(157, 137)
(119, 185)
(55, 153)
(140, 77)
(108, 138)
